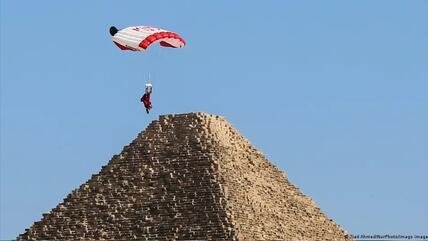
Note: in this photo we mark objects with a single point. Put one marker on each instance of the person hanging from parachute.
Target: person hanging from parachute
(145, 99)
(140, 38)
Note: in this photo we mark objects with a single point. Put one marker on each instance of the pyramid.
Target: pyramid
(187, 177)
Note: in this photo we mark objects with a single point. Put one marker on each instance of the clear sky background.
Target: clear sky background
(335, 93)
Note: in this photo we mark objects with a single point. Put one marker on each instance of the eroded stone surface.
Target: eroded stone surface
(187, 176)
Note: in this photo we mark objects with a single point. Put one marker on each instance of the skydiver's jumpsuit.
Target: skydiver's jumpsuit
(146, 98)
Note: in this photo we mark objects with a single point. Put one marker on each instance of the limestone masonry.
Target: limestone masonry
(187, 177)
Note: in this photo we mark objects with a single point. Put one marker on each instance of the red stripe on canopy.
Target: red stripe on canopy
(158, 36)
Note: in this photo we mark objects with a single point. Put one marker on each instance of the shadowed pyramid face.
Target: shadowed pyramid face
(187, 176)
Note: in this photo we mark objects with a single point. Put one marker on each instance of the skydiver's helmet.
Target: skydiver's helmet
(113, 30)
(148, 89)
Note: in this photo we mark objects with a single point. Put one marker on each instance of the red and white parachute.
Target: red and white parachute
(139, 38)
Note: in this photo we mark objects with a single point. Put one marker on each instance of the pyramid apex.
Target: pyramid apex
(189, 115)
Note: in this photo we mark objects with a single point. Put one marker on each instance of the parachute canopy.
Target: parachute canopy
(139, 38)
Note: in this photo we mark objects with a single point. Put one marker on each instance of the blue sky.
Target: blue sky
(333, 92)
